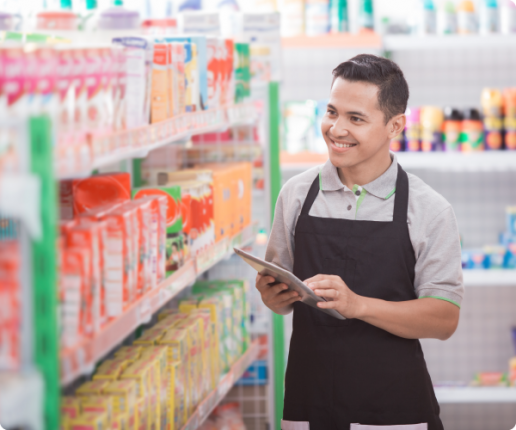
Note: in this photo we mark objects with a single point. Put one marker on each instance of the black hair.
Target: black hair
(393, 91)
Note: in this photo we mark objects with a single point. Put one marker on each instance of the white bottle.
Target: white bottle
(507, 17)
(488, 16)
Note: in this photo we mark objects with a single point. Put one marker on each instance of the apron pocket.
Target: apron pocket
(345, 269)
(295, 425)
(423, 426)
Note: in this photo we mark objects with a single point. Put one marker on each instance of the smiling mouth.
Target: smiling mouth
(343, 145)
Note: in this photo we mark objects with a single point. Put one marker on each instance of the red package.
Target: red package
(81, 195)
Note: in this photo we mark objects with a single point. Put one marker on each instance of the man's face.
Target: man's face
(354, 126)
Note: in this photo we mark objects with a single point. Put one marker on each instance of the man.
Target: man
(383, 248)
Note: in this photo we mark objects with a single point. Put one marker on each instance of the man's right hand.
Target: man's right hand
(276, 297)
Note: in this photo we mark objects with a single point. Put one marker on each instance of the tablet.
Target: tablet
(281, 275)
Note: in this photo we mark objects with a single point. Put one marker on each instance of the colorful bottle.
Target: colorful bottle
(488, 16)
(317, 17)
(492, 109)
(413, 130)
(507, 17)
(339, 16)
(509, 121)
(472, 131)
(428, 20)
(447, 19)
(451, 129)
(466, 18)
(366, 16)
(431, 128)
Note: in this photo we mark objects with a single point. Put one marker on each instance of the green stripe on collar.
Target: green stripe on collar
(441, 298)
(391, 193)
(360, 199)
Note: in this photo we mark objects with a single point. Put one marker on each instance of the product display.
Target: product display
(157, 382)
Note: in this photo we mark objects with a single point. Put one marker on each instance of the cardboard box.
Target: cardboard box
(89, 421)
(160, 93)
(110, 370)
(100, 404)
(123, 393)
(91, 388)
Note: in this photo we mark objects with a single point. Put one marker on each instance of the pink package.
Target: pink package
(80, 93)
(41, 76)
(65, 89)
(13, 81)
(95, 94)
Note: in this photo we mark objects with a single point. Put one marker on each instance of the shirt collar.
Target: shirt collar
(382, 187)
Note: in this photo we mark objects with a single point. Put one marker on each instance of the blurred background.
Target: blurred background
(140, 141)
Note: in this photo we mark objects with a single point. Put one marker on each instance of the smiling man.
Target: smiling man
(382, 248)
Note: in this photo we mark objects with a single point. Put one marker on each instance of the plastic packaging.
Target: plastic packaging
(489, 16)
(366, 15)
(451, 129)
(507, 17)
(472, 131)
(56, 20)
(492, 110)
(317, 17)
(118, 18)
(447, 18)
(339, 22)
(431, 128)
(466, 18)
(509, 125)
(292, 17)
(428, 20)
(413, 130)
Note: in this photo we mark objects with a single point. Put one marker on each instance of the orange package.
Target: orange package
(89, 235)
(120, 267)
(80, 195)
(76, 306)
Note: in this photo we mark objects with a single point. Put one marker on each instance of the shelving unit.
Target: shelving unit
(81, 359)
(447, 42)
(489, 278)
(475, 395)
(227, 381)
(110, 148)
(343, 40)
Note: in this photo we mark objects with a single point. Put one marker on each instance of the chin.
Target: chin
(342, 160)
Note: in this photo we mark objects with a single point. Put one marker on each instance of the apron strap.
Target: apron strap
(401, 200)
(311, 196)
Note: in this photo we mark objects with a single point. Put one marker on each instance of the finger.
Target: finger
(264, 282)
(314, 278)
(324, 284)
(327, 305)
(271, 292)
(286, 296)
(329, 294)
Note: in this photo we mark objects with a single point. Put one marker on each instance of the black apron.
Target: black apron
(347, 371)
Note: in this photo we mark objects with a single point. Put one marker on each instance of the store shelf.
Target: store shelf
(489, 278)
(81, 359)
(475, 394)
(110, 148)
(448, 42)
(344, 40)
(216, 396)
(21, 400)
(487, 161)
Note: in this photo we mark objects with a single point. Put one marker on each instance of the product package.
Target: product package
(89, 421)
(100, 404)
(242, 59)
(92, 388)
(123, 393)
(160, 93)
(110, 370)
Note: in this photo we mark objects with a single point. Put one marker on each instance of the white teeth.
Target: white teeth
(342, 145)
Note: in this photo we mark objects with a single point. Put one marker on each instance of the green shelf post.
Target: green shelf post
(46, 342)
(137, 173)
(278, 331)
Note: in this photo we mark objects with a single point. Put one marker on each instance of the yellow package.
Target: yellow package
(120, 422)
(215, 306)
(211, 347)
(124, 396)
(130, 353)
(159, 90)
(111, 369)
(159, 354)
(176, 341)
(89, 421)
(143, 371)
(175, 416)
(150, 337)
(102, 404)
(196, 356)
(164, 313)
(70, 408)
(91, 388)
(141, 422)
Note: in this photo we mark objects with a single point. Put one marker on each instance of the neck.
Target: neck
(366, 171)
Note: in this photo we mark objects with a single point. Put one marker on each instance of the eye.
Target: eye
(331, 112)
(356, 119)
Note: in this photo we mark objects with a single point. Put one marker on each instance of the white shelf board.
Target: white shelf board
(21, 400)
(452, 41)
(459, 161)
(489, 278)
(475, 394)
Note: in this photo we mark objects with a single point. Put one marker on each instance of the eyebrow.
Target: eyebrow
(357, 113)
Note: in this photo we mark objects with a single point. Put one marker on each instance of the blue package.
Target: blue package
(473, 259)
(511, 220)
(256, 374)
(202, 64)
(494, 256)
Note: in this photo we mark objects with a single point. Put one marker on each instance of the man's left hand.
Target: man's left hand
(338, 294)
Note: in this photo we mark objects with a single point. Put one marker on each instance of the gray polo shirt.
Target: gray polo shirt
(432, 225)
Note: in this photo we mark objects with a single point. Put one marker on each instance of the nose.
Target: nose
(339, 129)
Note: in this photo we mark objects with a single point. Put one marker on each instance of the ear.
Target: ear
(396, 125)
